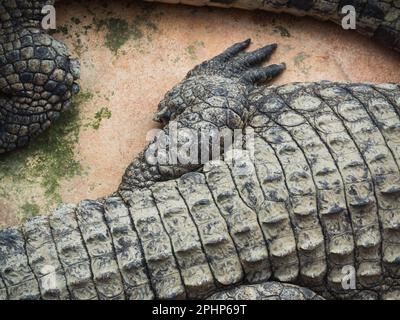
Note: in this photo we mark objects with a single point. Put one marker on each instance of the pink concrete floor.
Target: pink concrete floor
(166, 42)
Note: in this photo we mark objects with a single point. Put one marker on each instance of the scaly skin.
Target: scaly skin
(195, 235)
(377, 19)
(320, 193)
(36, 74)
(266, 291)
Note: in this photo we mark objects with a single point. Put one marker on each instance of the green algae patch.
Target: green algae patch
(284, 32)
(191, 50)
(54, 157)
(28, 211)
(37, 170)
(300, 62)
(78, 45)
(75, 20)
(118, 32)
(103, 114)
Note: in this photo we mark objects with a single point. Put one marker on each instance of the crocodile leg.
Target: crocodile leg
(208, 104)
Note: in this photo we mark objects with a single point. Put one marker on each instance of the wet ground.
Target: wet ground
(131, 54)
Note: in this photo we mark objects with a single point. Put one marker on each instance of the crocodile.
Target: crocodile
(310, 189)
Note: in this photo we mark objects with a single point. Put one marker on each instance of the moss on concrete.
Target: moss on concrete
(119, 31)
(284, 32)
(46, 161)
